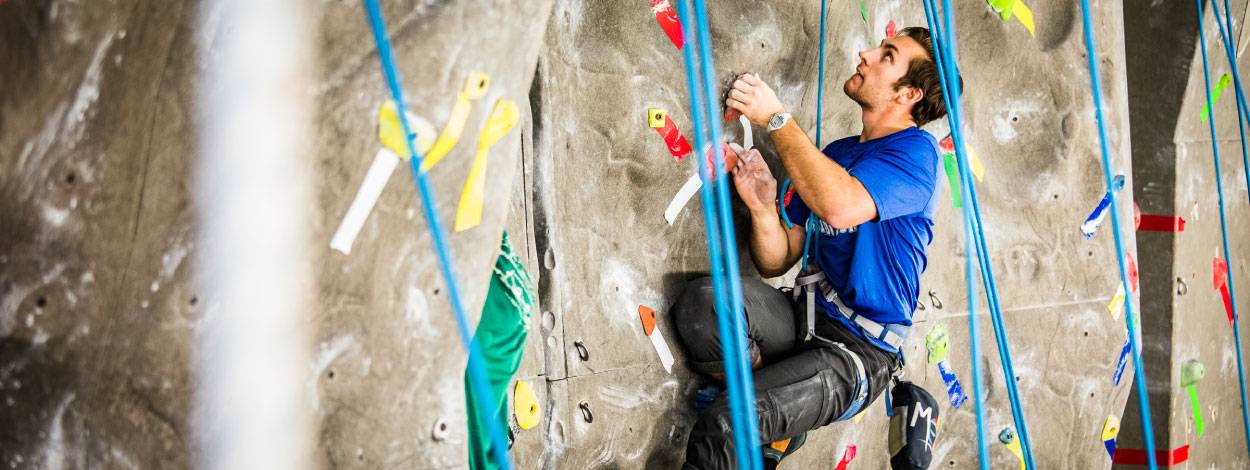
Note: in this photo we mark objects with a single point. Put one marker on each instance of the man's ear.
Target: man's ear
(910, 95)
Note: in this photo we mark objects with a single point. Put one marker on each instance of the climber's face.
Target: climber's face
(879, 69)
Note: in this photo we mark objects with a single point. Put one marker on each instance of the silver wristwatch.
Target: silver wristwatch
(778, 121)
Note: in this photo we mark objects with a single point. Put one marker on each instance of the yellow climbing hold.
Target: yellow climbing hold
(504, 115)
(391, 132)
(525, 406)
(1111, 428)
(475, 87)
(656, 117)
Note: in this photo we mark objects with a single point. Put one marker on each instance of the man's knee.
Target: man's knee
(694, 317)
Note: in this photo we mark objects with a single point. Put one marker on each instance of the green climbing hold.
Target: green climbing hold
(938, 342)
(952, 176)
(1002, 7)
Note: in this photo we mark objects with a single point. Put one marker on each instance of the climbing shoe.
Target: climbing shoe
(778, 450)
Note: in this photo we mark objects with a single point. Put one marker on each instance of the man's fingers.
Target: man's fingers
(751, 79)
(740, 96)
(743, 86)
(735, 104)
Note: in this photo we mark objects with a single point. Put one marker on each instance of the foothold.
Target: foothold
(502, 118)
(525, 406)
(1181, 287)
(1220, 269)
(586, 413)
(440, 431)
(391, 131)
(667, 18)
(1008, 438)
(1095, 218)
(937, 342)
(662, 122)
(474, 87)
(582, 353)
(1192, 373)
(1110, 429)
(933, 299)
(1008, 8)
(1215, 95)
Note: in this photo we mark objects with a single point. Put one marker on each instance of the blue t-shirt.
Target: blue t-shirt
(875, 267)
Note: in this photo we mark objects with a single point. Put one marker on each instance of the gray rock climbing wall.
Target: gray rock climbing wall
(1187, 315)
(603, 180)
(98, 305)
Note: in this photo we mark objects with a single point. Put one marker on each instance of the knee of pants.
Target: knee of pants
(694, 316)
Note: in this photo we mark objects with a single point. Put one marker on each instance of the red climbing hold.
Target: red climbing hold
(660, 120)
(648, 319)
(667, 18)
(947, 144)
(890, 29)
(731, 159)
(1161, 223)
(847, 457)
(1132, 271)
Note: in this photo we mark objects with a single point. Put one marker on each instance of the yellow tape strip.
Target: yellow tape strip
(502, 117)
(475, 87)
(1024, 15)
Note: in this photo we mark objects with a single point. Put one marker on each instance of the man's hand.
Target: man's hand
(754, 99)
(753, 180)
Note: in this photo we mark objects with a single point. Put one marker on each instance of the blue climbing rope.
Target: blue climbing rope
(1219, 187)
(969, 277)
(477, 372)
(1143, 398)
(820, 71)
(955, 116)
(722, 246)
(1242, 107)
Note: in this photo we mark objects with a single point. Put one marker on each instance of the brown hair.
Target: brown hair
(922, 73)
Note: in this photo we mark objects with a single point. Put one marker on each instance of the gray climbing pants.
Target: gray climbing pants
(799, 386)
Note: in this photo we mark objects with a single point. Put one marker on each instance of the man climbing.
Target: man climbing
(859, 217)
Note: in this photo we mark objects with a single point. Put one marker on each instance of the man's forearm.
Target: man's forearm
(822, 182)
(770, 247)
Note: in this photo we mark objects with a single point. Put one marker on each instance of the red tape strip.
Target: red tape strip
(1161, 223)
(1220, 268)
(667, 18)
(1162, 457)
(677, 144)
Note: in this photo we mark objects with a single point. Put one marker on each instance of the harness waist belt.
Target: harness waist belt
(811, 283)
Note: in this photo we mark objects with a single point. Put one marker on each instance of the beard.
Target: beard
(856, 93)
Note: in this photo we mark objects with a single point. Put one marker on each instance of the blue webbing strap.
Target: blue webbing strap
(722, 247)
(1219, 187)
(969, 277)
(477, 373)
(1130, 321)
(955, 114)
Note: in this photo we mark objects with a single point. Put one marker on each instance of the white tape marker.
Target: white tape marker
(366, 197)
(661, 347)
(683, 196)
(748, 142)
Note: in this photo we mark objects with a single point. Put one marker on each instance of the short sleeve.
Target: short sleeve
(900, 177)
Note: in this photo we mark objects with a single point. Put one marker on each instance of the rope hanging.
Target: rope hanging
(1219, 187)
(969, 277)
(1129, 320)
(477, 372)
(722, 245)
(954, 115)
(1244, 109)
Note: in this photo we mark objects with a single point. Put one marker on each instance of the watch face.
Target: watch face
(777, 121)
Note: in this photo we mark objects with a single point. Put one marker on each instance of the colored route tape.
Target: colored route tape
(647, 315)
(847, 456)
(1162, 457)
(1095, 218)
(667, 18)
(953, 388)
(1161, 223)
(1195, 408)
(692, 186)
(474, 87)
(1121, 363)
(1215, 96)
(1220, 268)
(503, 116)
(1110, 429)
(663, 124)
(366, 197)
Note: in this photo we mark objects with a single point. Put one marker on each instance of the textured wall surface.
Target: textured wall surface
(98, 304)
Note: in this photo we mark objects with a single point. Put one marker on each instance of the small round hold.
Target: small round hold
(1181, 287)
(582, 352)
(441, 430)
(933, 298)
(586, 414)
(1007, 436)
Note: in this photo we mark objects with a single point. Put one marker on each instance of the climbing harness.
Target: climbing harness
(1219, 187)
(477, 372)
(722, 245)
(1107, 171)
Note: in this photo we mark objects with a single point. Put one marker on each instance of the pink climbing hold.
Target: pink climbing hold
(890, 29)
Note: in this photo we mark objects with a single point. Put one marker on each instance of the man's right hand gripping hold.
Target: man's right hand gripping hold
(860, 217)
